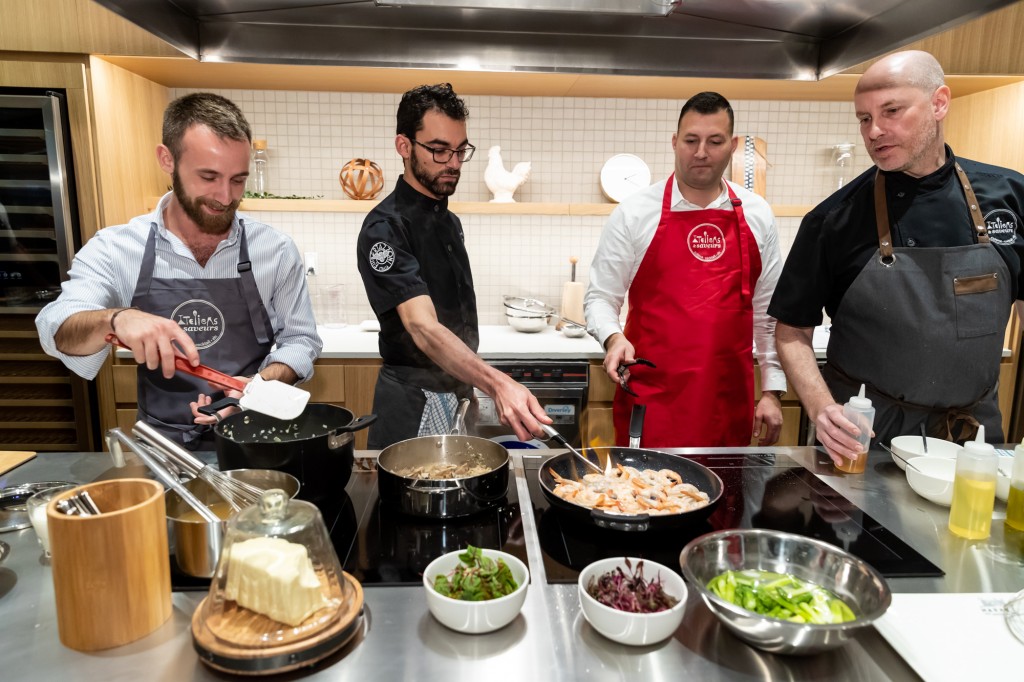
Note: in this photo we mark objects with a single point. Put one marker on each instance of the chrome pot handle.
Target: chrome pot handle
(431, 486)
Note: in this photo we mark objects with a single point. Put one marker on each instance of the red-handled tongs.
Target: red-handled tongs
(202, 371)
(270, 397)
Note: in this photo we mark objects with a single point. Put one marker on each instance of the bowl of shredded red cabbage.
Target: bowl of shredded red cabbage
(631, 600)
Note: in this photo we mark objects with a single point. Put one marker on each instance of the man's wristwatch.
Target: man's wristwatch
(777, 394)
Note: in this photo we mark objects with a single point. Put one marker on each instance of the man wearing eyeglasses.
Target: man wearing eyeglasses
(413, 261)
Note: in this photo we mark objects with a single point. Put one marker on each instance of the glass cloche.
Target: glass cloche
(278, 581)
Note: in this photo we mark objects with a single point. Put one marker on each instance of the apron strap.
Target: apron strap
(972, 203)
(145, 280)
(746, 291)
(257, 311)
(882, 214)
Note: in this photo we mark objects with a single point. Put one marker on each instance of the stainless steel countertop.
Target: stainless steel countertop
(549, 641)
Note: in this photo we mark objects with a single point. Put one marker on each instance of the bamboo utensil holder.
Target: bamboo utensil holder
(111, 574)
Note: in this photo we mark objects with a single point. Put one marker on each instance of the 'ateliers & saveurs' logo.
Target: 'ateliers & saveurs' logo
(706, 242)
(1002, 226)
(201, 320)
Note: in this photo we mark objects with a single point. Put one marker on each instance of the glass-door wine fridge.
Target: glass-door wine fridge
(42, 405)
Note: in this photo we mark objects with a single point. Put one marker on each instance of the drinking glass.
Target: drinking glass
(36, 504)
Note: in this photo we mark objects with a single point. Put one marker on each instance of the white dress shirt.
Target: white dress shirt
(624, 241)
(106, 270)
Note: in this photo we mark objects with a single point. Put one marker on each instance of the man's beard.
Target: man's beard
(208, 224)
(442, 184)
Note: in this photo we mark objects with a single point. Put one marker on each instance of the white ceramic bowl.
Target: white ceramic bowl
(911, 446)
(475, 617)
(635, 629)
(526, 322)
(934, 481)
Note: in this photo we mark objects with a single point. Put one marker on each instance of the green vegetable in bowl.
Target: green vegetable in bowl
(476, 578)
(785, 597)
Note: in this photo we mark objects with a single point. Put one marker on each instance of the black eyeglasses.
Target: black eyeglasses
(442, 155)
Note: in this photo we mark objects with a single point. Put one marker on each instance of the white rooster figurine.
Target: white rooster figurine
(501, 182)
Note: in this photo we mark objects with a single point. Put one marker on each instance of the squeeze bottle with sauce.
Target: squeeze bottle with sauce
(1015, 502)
(974, 489)
(859, 410)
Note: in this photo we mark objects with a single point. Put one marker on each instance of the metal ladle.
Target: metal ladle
(552, 433)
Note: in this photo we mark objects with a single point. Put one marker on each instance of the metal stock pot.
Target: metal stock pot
(316, 448)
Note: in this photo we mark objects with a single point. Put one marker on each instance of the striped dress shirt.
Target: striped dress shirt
(106, 270)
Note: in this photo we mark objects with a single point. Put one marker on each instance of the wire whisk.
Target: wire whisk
(236, 493)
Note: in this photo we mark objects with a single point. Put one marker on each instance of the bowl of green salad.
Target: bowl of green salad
(784, 593)
(476, 590)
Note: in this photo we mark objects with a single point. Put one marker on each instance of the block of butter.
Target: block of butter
(275, 578)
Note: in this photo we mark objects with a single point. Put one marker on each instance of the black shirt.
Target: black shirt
(412, 245)
(839, 236)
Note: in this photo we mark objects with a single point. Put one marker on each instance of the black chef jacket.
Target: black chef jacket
(411, 245)
(837, 238)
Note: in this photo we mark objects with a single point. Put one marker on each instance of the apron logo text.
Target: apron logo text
(201, 320)
(382, 257)
(1002, 226)
(706, 242)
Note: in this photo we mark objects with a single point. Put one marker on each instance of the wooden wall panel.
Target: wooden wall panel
(76, 26)
(987, 126)
(129, 115)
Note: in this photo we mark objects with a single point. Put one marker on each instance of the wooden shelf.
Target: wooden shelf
(459, 207)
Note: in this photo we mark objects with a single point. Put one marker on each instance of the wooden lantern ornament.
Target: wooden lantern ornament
(361, 179)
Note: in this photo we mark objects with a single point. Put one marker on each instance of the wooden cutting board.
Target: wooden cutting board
(12, 458)
(750, 164)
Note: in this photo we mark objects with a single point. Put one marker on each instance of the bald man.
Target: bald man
(917, 262)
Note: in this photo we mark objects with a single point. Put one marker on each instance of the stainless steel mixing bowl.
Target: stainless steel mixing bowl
(849, 578)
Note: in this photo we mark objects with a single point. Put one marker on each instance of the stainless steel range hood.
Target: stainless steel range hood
(783, 39)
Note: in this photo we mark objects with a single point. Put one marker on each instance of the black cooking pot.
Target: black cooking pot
(315, 448)
(567, 466)
(448, 497)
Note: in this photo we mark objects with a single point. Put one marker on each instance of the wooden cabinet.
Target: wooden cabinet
(43, 406)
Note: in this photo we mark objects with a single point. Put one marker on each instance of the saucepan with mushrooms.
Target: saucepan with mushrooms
(443, 476)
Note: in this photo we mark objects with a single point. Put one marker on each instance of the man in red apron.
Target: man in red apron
(699, 257)
(917, 262)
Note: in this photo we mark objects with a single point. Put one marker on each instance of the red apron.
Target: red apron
(690, 312)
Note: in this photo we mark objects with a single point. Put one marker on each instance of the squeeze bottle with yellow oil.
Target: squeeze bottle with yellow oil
(974, 489)
(1015, 502)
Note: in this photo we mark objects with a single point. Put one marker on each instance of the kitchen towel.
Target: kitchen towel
(954, 637)
(13, 458)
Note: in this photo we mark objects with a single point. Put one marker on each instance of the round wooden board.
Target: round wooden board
(246, 660)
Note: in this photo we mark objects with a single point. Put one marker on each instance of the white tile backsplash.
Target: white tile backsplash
(310, 135)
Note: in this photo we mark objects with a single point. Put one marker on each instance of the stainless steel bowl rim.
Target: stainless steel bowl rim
(860, 621)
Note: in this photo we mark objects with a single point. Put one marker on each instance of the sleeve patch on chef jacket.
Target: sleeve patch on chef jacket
(1002, 225)
(382, 256)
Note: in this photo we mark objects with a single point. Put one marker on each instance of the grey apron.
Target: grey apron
(228, 323)
(410, 402)
(923, 329)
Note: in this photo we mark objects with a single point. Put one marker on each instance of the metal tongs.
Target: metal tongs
(157, 463)
(270, 397)
(552, 433)
(623, 371)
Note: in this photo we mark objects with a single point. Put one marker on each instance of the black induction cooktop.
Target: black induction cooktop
(378, 545)
(761, 491)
